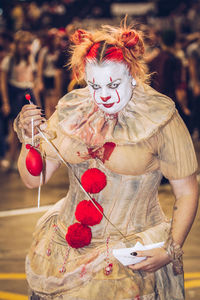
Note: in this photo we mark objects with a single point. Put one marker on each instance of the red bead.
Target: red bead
(48, 253)
(108, 269)
(34, 162)
(62, 270)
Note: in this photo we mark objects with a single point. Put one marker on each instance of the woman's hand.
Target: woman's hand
(155, 259)
(29, 112)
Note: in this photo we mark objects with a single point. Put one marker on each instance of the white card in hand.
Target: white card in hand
(125, 257)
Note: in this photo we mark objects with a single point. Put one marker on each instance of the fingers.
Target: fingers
(139, 266)
(148, 253)
(155, 259)
(26, 118)
(30, 109)
(28, 126)
(28, 113)
(148, 265)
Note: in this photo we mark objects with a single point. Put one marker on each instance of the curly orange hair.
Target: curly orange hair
(123, 44)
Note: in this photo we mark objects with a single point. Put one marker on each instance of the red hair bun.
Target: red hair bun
(129, 38)
(78, 36)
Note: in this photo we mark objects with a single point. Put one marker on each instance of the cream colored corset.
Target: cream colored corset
(130, 202)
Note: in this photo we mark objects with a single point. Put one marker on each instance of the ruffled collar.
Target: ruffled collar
(144, 114)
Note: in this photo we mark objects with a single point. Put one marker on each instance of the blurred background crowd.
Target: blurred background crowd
(34, 51)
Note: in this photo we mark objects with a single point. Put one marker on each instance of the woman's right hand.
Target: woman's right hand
(29, 112)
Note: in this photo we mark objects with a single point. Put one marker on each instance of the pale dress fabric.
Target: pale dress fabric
(151, 140)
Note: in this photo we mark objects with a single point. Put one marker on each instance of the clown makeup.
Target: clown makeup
(110, 85)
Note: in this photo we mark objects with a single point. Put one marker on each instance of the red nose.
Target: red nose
(104, 99)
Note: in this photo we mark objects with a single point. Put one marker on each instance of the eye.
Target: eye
(114, 85)
(95, 86)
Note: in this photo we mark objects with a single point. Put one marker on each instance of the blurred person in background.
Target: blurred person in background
(47, 68)
(18, 17)
(37, 46)
(62, 75)
(17, 79)
(5, 46)
(193, 53)
(2, 119)
(193, 16)
(168, 77)
(33, 15)
(152, 42)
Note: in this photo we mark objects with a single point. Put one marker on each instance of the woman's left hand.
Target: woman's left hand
(155, 259)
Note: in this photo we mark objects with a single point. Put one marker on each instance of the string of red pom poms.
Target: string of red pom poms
(79, 234)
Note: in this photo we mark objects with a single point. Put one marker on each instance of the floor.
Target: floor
(19, 214)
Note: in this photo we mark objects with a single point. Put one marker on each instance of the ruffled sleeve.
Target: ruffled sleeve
(175, 150)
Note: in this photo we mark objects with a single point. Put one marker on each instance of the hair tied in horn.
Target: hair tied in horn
(79, 35)
(129, 38)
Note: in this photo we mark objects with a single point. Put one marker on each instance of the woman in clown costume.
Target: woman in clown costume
(118, 136)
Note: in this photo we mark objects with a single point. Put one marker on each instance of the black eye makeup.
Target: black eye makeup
(113, 85)
(94, 85)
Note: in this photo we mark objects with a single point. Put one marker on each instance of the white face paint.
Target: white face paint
(110, 85)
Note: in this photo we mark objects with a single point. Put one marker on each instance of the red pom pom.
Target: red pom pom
(87, 213)
(78, 235)
(34, 162)
(93, 180)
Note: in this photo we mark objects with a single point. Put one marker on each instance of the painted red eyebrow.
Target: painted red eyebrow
(111, 79)
(93, 80)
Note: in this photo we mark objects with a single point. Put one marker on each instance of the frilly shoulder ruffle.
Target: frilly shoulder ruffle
(144, 114)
